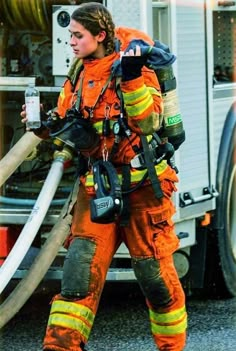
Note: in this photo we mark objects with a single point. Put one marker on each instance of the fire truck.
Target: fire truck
(202, 34)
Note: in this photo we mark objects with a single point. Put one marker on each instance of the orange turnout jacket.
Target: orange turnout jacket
(142, 101)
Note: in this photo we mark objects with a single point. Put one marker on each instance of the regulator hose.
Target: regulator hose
(42, 262)
(17, 154)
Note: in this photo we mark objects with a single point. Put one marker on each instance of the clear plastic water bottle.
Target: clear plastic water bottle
(32, 103)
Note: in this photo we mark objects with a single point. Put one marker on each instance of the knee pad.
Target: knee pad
(76, 269)
(148, 274)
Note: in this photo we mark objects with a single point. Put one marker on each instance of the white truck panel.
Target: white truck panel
(132, 13)
(191, 68)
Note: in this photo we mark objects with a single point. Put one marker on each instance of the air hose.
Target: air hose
(35, 219)
(17, 155)
(42, 262)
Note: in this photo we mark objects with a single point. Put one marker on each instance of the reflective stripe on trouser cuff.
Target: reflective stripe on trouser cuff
(170, 323)
(136, 175)
(71, 315)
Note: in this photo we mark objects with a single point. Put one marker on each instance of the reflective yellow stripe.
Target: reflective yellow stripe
(136, 175)
(70, 322)
(173, 329)
(62, 95)
(169, 317)
(139, 108)
(98, 126)
(72, 308)
(153, 91)
(131, 98)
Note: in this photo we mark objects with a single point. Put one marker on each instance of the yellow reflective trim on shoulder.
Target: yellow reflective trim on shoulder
(140, 107)
(59, 306)
(136, 175)
(168, 317)
(173, 329)
(62, 94)
(70, 322)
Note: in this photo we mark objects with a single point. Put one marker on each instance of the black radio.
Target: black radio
(108, 203)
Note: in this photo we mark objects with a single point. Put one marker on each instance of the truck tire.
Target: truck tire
(225, 215)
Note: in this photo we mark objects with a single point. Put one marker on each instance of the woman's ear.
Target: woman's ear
(101, 36)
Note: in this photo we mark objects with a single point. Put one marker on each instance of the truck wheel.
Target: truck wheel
(226, 204)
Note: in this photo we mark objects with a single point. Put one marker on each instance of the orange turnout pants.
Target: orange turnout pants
(151, 240)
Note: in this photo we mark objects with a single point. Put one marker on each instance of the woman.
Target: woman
(120, 98)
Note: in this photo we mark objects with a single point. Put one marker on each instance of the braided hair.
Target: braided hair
(95, 17)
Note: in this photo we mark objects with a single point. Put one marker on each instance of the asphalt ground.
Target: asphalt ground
(122, 322)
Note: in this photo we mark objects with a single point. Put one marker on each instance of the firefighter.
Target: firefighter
(120, 98)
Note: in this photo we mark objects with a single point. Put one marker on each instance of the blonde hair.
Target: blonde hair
(96, 18)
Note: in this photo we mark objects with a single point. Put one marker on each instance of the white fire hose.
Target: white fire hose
(38, 269)
(17, 155)
(35, 219)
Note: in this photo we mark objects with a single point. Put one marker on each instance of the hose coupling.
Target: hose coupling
(63, 155)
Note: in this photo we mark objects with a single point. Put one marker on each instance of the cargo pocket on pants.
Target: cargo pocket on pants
(164, 238)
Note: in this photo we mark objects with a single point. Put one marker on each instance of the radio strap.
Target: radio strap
(126, 182)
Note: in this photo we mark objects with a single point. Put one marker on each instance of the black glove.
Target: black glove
(131, 66)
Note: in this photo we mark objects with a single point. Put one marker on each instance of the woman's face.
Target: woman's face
(83, 43)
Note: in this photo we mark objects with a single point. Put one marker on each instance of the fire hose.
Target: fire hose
(74, 134)
(35, 219)
(42, 262)
(47, 254)
(17, 155)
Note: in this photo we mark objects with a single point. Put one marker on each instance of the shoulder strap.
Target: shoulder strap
(74, 71)
(151, 168)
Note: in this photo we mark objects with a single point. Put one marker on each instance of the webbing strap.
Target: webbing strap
(126, 182)
(151, 168)
(71, 199)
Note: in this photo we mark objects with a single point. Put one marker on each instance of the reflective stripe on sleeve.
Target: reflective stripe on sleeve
(153, 91)
(136, 95)
(139, 107)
